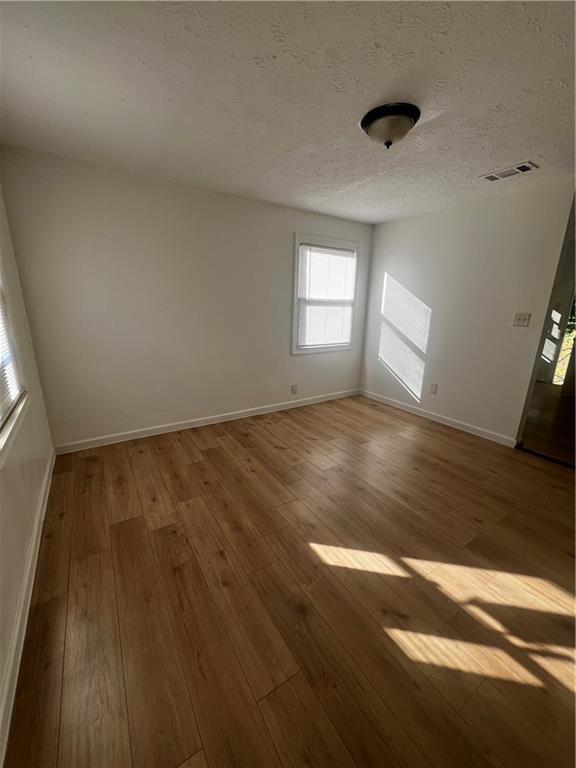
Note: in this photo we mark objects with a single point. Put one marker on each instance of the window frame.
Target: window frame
(302, 238)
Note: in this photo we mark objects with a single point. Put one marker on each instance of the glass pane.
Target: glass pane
(326, 274)
(9, 385)
(322, 325)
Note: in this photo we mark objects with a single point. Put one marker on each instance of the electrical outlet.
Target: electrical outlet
(522, 319)
(433, 389)
(294, 389)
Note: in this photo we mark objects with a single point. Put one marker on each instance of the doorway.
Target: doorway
(548, 428)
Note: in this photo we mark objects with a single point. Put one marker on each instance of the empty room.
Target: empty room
(287, 330)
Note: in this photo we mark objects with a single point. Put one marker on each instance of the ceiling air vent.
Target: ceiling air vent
(515, 170)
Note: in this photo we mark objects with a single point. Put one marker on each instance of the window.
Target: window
(325, 289)
(11, 389)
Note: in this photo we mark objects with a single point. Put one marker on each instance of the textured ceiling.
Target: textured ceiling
(263, 99)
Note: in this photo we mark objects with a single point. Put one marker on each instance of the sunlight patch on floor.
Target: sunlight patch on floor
(561, 670)
(419, 566)
(465, 582)
(373, 562)
(479, 592)
(460, 582)
(544, 648)
(531, 592)
(486, 619)
(461, 656)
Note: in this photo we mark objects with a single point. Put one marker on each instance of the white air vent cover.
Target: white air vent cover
(515, 170)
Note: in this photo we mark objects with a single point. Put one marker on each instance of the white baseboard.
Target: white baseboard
(10, 678)
(462, 425)
(120, 437)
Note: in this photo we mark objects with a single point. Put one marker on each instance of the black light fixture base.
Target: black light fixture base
(400, 109)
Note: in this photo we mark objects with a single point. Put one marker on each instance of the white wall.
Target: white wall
(152, 303)
(474, 266)
(24, 478)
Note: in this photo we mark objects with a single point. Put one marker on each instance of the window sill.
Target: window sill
(10, 429)
(316, 350)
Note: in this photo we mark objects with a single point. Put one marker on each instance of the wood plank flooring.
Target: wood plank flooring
(338, 585)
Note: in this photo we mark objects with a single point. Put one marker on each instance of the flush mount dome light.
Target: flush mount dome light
(389, 123)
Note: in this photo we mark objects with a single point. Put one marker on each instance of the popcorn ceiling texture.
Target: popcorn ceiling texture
(263, 100)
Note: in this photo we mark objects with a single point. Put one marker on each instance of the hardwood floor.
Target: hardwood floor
(338, 585)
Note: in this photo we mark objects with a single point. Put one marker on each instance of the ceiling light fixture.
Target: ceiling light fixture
(389, 123)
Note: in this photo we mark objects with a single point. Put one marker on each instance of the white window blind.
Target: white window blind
(10, 387)
(326, 283)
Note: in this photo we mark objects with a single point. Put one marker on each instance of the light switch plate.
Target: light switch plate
(522, 319)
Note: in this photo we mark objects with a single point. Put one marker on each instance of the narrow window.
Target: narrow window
(11, 389)
(324, 297)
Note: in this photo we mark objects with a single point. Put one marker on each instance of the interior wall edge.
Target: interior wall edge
(12, 667)
(160, 429)
(433, 416)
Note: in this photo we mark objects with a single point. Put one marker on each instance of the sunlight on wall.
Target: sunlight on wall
(406, 312)
(405, 364)
(372, 562)
(404, 334)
